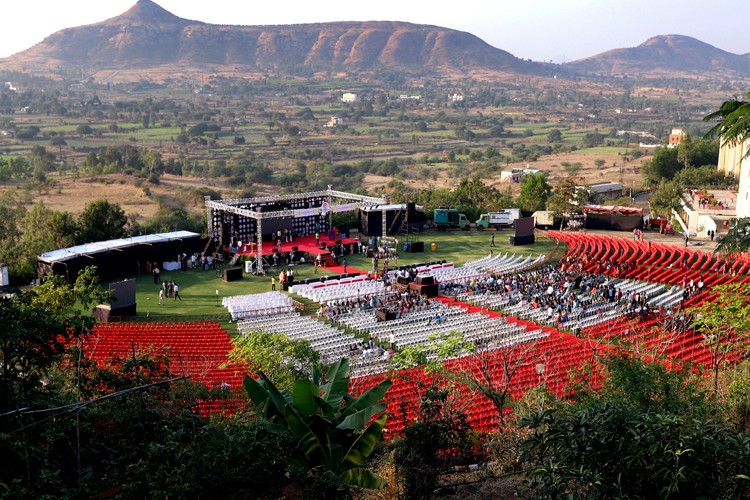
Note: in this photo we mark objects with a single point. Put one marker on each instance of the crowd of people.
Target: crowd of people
(391, 301)
(169, 289)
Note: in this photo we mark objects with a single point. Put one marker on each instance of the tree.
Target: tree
(282, 359)
(725, 326)
(101, 220)
(593, 139)
(334, 430)
(58, 141)
(84, 130)
(737, 239)
(568, 198)
(734, 122)
(37, 326)
(492, 373)
(554, 135)
(648, 433)
(535, 191)
(46, 230)
(666, 198)
(662, 166)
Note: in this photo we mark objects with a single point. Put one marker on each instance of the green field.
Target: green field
(198, 288)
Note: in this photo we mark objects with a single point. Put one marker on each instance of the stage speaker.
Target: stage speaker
(411, 209)
(323, 245)
(425, 280)
(384, 315)
(233, 274)
(128, 310)
(521, 240)
(295, 249)
(426, 290)
(414, 246)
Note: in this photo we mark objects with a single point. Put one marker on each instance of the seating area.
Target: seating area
(330, 342)
(659, 337)
(196, 350)
(416, 327)
(587, 314)
(497, 265)
(546, 361)
(343, 289)
(258, 305)
(649, 261)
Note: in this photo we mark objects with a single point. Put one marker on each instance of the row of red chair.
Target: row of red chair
(198, 350)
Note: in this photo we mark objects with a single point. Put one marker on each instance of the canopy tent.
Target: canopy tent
(119, 258)
(613, 217)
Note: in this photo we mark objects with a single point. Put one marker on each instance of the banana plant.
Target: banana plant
(334, 430)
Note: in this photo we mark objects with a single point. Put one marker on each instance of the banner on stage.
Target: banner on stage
(345, 207)
(304, 212)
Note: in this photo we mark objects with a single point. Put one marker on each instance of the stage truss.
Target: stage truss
(302, 205)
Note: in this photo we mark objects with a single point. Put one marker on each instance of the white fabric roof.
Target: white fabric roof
(64, 254)
(380, 208)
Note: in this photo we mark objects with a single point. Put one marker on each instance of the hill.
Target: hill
(148, 36)
(665, 54)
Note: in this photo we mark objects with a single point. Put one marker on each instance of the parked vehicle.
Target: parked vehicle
(445, 218)
(543, 219)
(497, 220)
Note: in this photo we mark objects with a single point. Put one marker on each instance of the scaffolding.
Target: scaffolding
(300, 205)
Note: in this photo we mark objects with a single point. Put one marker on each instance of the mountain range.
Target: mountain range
(148, 37)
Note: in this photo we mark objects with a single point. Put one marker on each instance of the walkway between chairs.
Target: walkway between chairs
(471, 308)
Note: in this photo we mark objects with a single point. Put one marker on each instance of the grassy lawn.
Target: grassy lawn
(198, 288)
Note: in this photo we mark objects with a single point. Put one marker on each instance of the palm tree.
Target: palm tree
(734, 127)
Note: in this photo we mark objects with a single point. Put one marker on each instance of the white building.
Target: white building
(734, 161)
(334, 121)
(349, 97)
(516, 175)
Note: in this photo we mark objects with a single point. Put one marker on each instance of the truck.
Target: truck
(445, 218)
(543, 218)
(496, 220)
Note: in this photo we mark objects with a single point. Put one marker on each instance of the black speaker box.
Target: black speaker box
(233, 274)
(385, 315)
(425, 280)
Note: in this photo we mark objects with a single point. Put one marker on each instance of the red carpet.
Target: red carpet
(494, 314)
(304, 244)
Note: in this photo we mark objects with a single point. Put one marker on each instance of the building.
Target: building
(606, 190)
(456, 97)
(675, 138)
(734, 160)
(334, 121)
(517, 175)
(349, 97)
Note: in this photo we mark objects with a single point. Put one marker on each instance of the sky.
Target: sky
(541, 30)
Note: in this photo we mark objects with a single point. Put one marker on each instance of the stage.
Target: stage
(304, 244)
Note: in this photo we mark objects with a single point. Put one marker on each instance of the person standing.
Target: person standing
(492, 240)
(273, 283)
(161, 296)
(177, 292)
(344, 264)
(156, 273)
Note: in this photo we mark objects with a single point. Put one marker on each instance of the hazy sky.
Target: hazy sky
(542, 30)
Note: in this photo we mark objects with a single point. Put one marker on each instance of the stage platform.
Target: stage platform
(304, 244)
